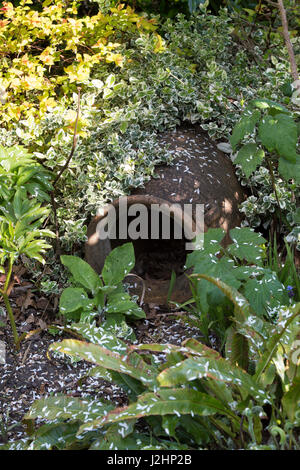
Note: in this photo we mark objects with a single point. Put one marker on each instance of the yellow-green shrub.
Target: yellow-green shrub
(45, 54)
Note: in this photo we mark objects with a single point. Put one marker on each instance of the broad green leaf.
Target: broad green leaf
(122, 303)
(279, 133)
(264, 103)
(131, 386)
(245, 245)
(82, 272)
(290, 171)
(287, 334)
(245, 126)
(266, 293)
(242, 306)
(99, 335)
(216, 369)
(291, 399)
(118, 264)
(237, 348)
(73, 298)
(55, 436)
(129, 365)
(249, 157)
(63, 407)
(164, 402)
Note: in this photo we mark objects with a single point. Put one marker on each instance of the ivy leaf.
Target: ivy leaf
(245, 245)
(279, 133)
(245, 126)
(249, 157)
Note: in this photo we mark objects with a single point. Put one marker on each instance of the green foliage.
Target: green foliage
(241, 266)
(46, 52)
(217, 399)
(23, 186)
(103, 297)
(273, 128)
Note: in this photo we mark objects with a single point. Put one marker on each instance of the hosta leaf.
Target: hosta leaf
(245, 245)
(164, 402)
(63, 407)
(135, 441)
(245, 126)
(216, 369)
(249, 157)
(211, 245)
(122, 303)
(133, 366)
(82, 272)
(118, 264)
(279, 133)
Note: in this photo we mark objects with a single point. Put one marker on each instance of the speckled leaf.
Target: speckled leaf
(118, 264)
(289, 324)
(131, 386)
(242, 306)
(245, 245)
(96, 354)
(64, 407)
(98, 335)
(266, 293)
(72, 299)
(164, 402)
(220, 370)
(237, 348)
(55, 436)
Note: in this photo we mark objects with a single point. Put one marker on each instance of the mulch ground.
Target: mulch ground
(31, 374)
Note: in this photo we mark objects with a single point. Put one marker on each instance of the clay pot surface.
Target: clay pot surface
(200, 174)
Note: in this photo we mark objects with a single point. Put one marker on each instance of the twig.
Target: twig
(144, 287)
(288, 41)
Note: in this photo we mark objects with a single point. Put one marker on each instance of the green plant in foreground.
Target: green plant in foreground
(21, 215)
(194, 399)
(105, 297)
(242, 266)
(274, 129)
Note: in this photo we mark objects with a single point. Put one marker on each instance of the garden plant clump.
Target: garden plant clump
(86, 89)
